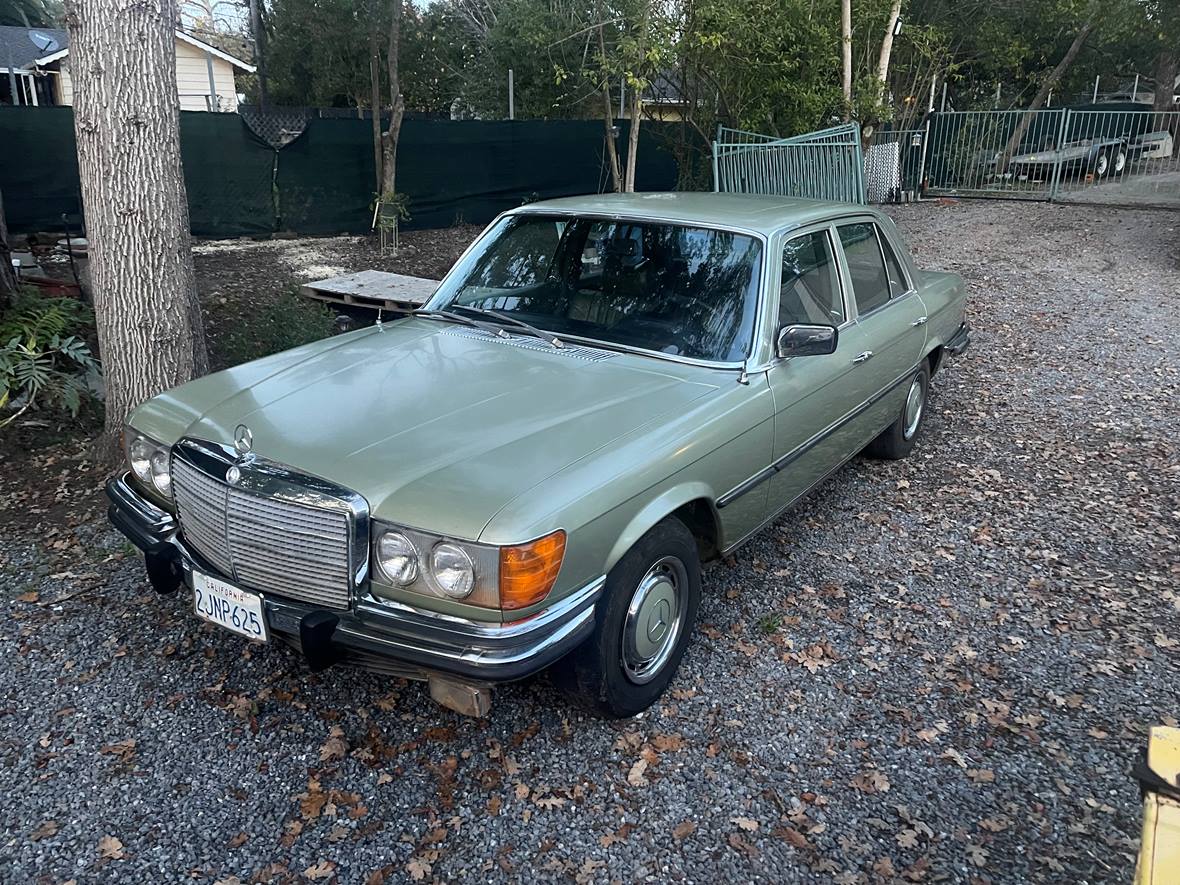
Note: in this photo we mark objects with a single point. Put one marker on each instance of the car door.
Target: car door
(889, 332)
(812, 394)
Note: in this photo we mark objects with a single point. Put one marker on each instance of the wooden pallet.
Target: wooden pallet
(372, 289)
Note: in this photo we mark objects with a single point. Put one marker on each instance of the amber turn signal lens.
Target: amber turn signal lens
(527, 572)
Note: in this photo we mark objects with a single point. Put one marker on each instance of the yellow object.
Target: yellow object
(1159, 850)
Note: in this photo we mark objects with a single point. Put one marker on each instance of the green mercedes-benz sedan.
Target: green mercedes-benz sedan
(602, 394)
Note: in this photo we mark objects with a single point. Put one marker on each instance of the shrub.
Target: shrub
(44, 360)
(285, 322)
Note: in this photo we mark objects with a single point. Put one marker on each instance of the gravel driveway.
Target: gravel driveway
(938, 669)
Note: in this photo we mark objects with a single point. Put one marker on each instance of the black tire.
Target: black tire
(1101, 165)
(594, 675)
(897, 440)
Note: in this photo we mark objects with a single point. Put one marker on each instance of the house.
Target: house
(34, 70)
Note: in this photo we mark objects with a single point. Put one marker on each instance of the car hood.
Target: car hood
(436, 425)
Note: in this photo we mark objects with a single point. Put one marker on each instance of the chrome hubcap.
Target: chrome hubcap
(914, 402)
(1102, 164)
(654, 620)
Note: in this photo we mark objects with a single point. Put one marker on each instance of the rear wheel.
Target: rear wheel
(642, 626)
(897, 440)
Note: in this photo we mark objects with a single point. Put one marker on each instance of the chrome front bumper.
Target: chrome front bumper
(418, 642)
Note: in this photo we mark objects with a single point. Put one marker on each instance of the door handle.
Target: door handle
(920, 321)
(863, 357)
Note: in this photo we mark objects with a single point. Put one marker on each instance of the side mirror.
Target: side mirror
(803, 340)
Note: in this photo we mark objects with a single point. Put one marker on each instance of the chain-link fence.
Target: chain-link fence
(893, 165)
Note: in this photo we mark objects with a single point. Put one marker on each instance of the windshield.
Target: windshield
(681, 291)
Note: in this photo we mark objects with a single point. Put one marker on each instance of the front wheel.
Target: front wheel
(897, 440)
(642, 626)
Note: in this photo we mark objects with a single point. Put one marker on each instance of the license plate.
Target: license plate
(225, 605)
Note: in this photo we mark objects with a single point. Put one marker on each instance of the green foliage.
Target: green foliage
(287, 321)
(44, 360)
(318, 54)
(395, 208)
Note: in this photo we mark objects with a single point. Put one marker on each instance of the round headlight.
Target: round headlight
(397, 558)
(161, 478)
(139, 455)
(453, 570)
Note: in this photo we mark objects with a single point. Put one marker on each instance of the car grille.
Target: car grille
(294, 550)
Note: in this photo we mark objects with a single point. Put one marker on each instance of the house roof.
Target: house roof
(41, 46)
(22, 47)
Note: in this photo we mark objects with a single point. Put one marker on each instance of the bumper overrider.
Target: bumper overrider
(960, 341)
(382, 634)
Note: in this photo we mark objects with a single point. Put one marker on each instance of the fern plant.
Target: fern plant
(42, 360)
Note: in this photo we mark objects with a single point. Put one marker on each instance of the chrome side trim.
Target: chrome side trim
(803, 494)
(783, 461)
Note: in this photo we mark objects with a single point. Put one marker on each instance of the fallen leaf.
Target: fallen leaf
(418, 869)
(746, 824)
(635, 777)
(683, 830)
(335, 746)
(321, 870)
(239, 840)
(47, 829)
(111, 848)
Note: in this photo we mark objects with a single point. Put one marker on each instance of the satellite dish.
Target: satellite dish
(44, 42)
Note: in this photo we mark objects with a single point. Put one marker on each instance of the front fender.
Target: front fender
(665, 503)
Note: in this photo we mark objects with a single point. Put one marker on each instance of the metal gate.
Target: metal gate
(1112, 157)
(824, 165)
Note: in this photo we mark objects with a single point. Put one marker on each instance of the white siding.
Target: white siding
(65, 86)
(192, 81)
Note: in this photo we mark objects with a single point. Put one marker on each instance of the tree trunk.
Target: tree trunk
(259, 51)
(612, 150)
(846, 55)
(1167, 65)
(887, 46)
(635, 104)
(127, 127)
(375, 98)
(7, 277)
(390, 136)
(608, 118)
(1038, 101)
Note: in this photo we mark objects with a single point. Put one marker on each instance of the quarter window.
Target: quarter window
(809, 292)
(866, 267)
(897, 283)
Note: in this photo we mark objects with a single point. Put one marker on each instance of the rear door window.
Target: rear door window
(866, 266)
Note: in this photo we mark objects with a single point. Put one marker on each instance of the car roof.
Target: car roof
(755, 212)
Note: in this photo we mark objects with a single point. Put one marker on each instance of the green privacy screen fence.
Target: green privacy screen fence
(323, 182)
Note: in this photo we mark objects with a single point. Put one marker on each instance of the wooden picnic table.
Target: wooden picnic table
(372, 289)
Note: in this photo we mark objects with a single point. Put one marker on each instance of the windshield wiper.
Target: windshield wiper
(459, 318)
(520, 324)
